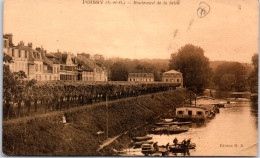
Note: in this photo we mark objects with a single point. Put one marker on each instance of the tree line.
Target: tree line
(18, 93)
(198, 72)
(198, 75)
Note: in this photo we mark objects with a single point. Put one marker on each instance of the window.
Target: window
(5, 45)
(180, 112)
(166, 80)
(36, 67)
(190, 112)
(40, 68)
(199, 113)
(19, 53)
(178, 80)
(25, 54)
(12, 52)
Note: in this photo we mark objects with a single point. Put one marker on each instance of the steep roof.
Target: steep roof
(33, 54)
(62, 58)
(85, 67)
(52, 58)
(88, 62)
(172, 72)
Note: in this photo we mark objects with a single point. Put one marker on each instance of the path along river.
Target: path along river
(232, 132)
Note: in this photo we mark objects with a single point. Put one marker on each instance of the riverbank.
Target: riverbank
(47, 135)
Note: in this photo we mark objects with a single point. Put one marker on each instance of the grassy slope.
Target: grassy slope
(46, 135)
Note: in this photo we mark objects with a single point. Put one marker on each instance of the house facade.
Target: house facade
(68, 66)
(42, 66)
(91, 71)
(140, 77)
(25, 58)
(51, 68)
(172, 76)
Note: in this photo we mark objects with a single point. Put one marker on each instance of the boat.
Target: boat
(169, 120)
(179, 148)
(181, 123)
(168, 130)
(238, 99)
(195, 112)
(165, 123)
(158, 130)
(176, 130)
(147, 149)
(139, 144)
(144, 138)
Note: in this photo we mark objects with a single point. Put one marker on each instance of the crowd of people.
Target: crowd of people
(184, 144)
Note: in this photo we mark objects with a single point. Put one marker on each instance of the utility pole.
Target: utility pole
(195, 99)
(190, 98)
(107, 113)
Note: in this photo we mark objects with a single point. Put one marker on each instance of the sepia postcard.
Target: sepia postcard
(130, 78)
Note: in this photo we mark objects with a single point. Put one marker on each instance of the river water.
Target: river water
(232, 132)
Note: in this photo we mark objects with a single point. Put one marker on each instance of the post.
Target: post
(107, 114)
(195, 99)
(190, 98)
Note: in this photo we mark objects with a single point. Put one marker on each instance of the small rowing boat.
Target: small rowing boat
(144, 138)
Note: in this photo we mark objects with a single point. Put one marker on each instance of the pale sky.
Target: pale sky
(228, 32)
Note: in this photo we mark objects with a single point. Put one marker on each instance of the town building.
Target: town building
(42, 66)
(68, 66)
(25, 58)
(91, 71)
(51, 68)
(172, 76)
(140, 77)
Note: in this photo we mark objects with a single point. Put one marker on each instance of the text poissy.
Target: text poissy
(92, 2)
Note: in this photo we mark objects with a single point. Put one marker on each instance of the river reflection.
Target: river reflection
(232, 132)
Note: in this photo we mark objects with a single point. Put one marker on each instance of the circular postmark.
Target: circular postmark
(203, 9)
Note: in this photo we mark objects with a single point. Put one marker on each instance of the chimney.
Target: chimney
(10, 38)
(30, 45)
(37, 48)
(21, 43)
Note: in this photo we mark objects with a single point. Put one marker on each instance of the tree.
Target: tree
(20, 75)
(227, 82)
(253, 78)
(14, 87)
(119, 72)
(194, 66)
(231, 76)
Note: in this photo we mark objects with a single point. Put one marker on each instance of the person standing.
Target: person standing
(175, 141)
(184, 143)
